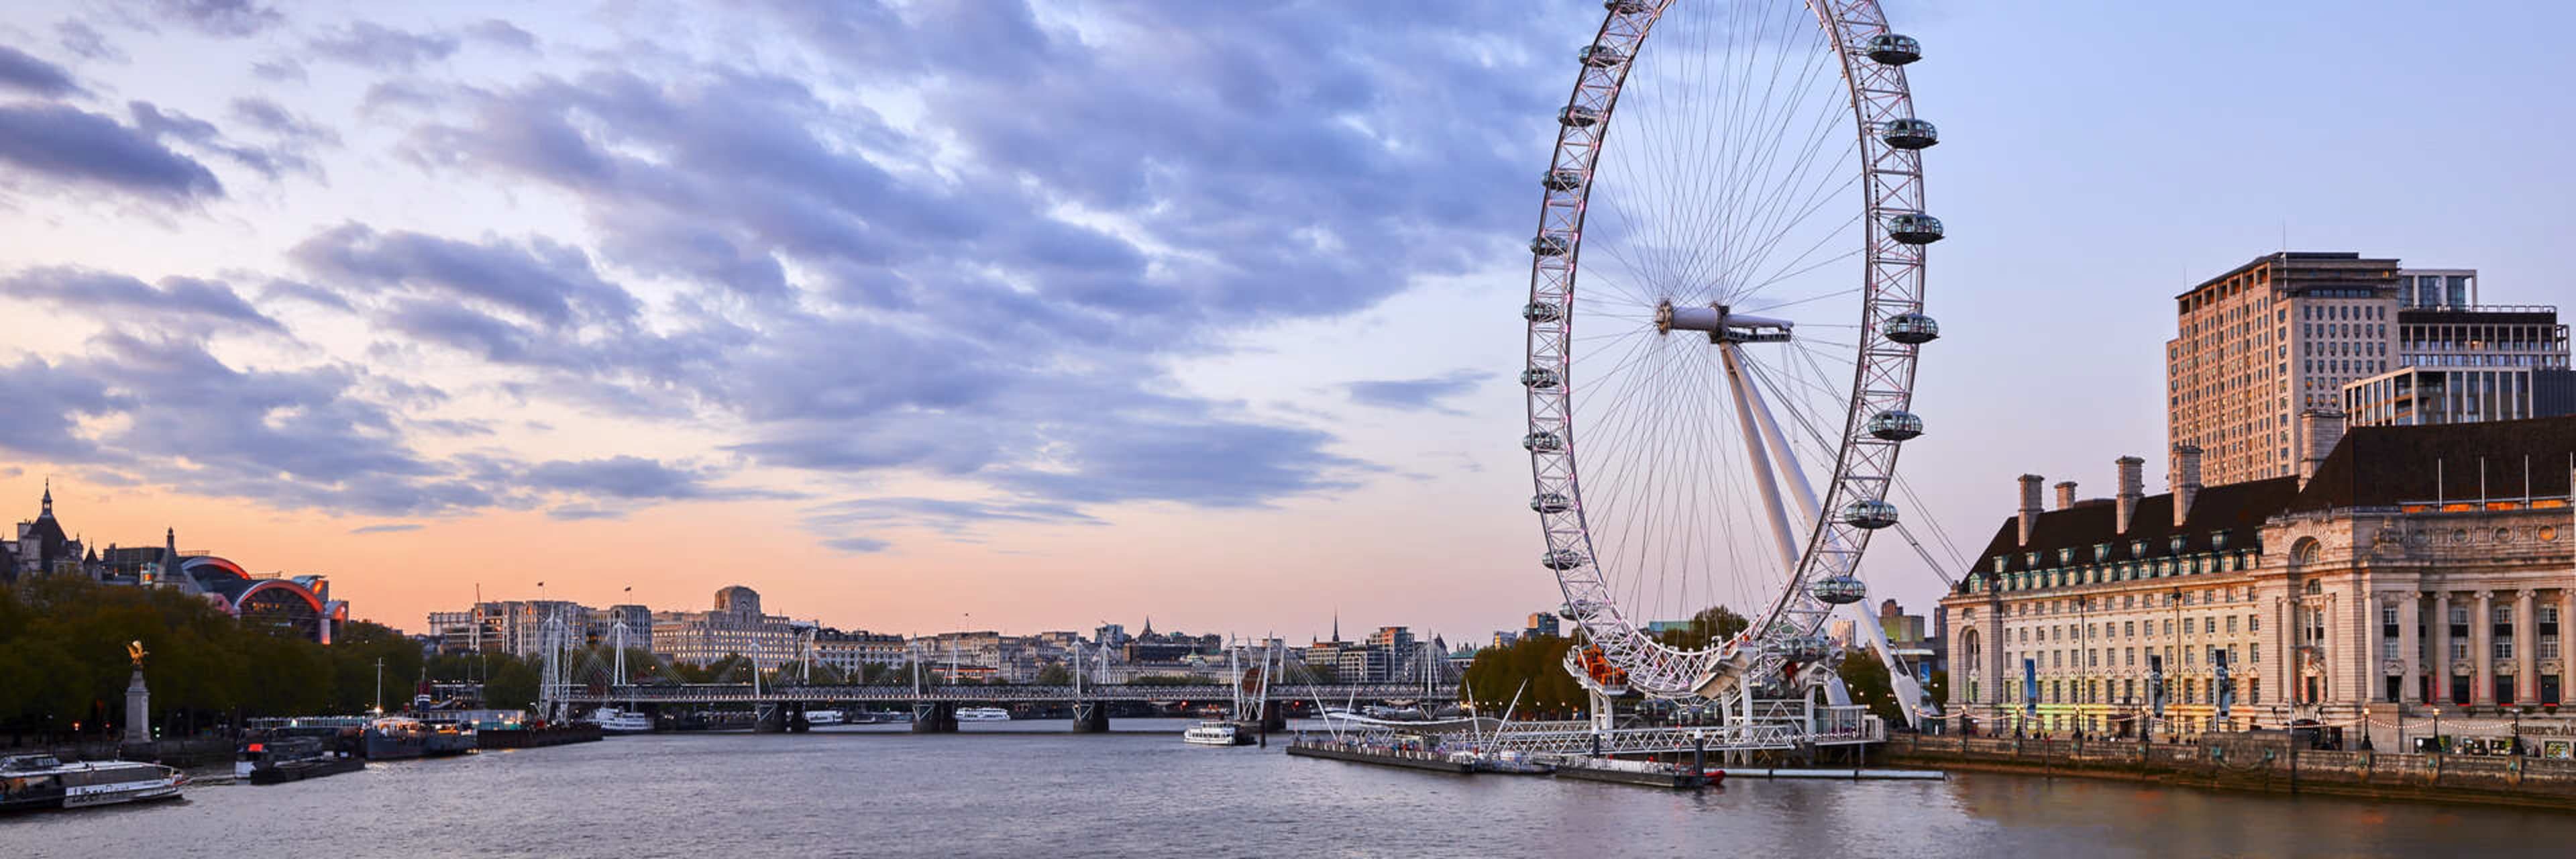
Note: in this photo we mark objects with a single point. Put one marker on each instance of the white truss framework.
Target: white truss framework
(1892, 285)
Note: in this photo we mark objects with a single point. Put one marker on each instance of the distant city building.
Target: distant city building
(2257, 345)
(299, 605)
(851, 652)
(1505, 639)
(2422, 396)
(735, 627)
(2413, 564)
(1540, 623)
(2268, 359)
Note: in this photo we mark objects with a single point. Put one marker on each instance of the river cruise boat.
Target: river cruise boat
(615, 722)
(1215, 733)
(825, 718)
(42, 782)
(983, 714)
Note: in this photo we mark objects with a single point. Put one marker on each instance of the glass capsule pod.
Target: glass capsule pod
(1810, 648)
(1550, 246)
(1541, 378)
(1627, 7)
(1578, 116)
(1914, 229)
(1542, 442)
(1541, 312)
(1602, 56)
(1894, 425)
(1839, 590)
(1561, 560)
(1562, 180)
(1910, 134)
(1869, 513)
(1895, 49)
(1550, 502)
(1913, 329)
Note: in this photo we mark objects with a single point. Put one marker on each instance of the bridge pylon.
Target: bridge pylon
(1091, 717)
(934, 717)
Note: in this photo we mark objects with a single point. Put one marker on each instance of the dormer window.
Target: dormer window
(2177, 544)
(2137, 548)
(2065, 555)
(2218, 540)
(1999, 563)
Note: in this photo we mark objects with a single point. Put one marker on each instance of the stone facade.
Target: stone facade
(2352, 598)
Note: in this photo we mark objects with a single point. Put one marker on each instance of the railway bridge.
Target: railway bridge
(934, 707)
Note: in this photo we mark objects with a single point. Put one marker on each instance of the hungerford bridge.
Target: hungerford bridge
(934, 707)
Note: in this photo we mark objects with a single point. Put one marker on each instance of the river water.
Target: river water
(1028, 789)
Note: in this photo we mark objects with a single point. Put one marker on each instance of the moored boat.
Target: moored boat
(270, 760)
(394, 737)
(43, 782)
(1215, 733)
(983, 714)
(824, 718)
(615, 722)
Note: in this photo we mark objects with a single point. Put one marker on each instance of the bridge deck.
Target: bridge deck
(906, 694)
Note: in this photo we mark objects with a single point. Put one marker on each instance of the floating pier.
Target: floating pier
(1405, 758)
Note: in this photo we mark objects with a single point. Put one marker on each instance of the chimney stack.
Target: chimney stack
(2132, 486)
(2320, 431)
(2066, 495)
(2029, 505)
(2186, 480)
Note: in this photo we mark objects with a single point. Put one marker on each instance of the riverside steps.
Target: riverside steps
(2262, 763)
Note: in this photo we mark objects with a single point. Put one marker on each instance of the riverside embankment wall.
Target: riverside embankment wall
(2258, 764)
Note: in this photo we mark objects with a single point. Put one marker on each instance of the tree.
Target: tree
(1054, 674)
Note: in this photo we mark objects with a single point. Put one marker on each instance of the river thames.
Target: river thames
(1028, 789)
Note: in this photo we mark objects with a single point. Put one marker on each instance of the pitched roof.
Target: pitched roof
(2388, 466)
(2237, 509)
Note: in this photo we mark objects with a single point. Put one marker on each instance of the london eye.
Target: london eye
(1726, 297)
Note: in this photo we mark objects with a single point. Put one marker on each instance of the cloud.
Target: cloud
(285, 290)
(504, 34)
(858, 545)
(86, 41)
(582, 514)
(394, 528)
(76, 147)
(222, 18)
(23, 73)
(280, 70)
(197, 304)
(626, 477)
(548, 281)
(953, 517)
(159, 123)
(1416, 394)
(373, 45)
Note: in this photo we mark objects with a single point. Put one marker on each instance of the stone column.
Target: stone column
(2442, 646)
(2526, 648)
(2482, 649)
(2566, 653)
(138, 710)
(2285, 653)
(2410, 612)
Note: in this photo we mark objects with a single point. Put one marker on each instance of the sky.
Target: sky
(925, 315)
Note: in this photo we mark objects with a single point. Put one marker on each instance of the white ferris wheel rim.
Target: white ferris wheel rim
(1863, 468)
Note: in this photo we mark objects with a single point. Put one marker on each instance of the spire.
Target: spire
(172, 570)
(1337, 625)
(48, 510)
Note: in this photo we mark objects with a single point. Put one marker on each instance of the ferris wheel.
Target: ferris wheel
(1739, 322)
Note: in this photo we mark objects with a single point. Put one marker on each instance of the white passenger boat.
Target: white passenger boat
(41, 781)
(1215, 733)
(983, 714)
(822, 718)
(613, 721)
